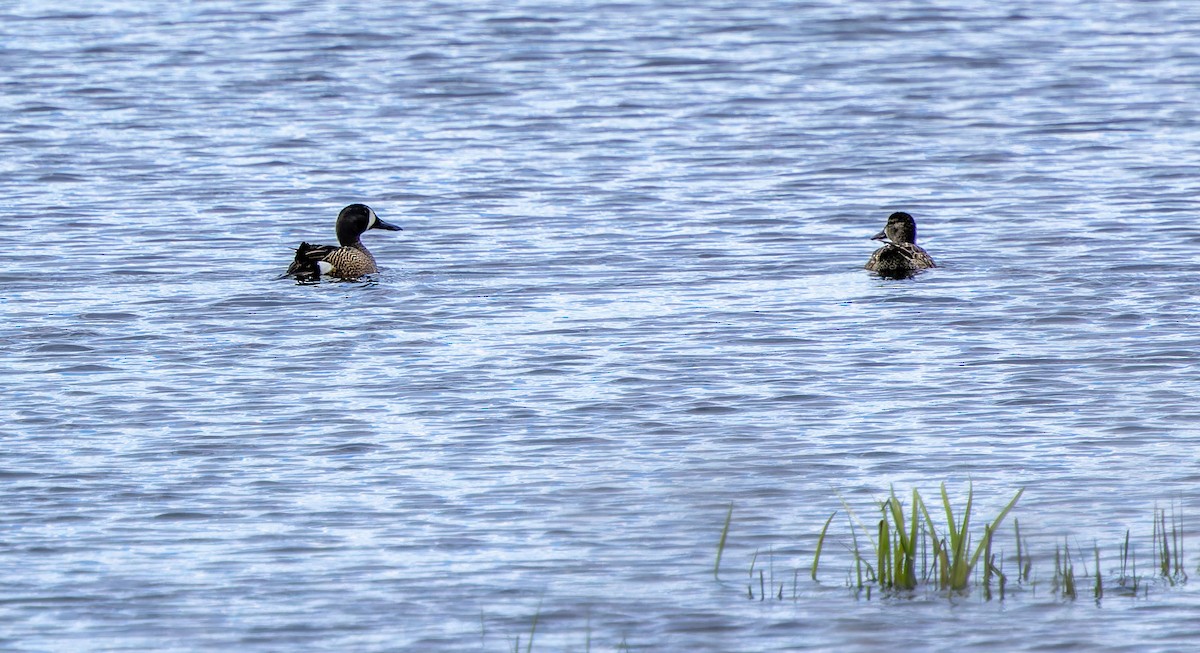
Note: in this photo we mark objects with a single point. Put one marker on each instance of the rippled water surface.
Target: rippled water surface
(628, 293)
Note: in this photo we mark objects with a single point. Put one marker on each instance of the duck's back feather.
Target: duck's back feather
(899, 259)
(307, 264)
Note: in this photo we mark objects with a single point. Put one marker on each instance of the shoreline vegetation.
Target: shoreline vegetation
(910, 552)
(907, 550)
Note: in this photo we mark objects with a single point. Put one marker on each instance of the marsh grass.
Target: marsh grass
(1168, 545)
(1024, 560)
(1064, 573)
(533, 629)
(515, 643)
(910, 550)
(907, 549)
(1168, 567)
(766, 579)
(1127, 578)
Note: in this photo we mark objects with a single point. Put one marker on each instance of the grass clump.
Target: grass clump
(1168, 546)
(911, 547)
(910, 550)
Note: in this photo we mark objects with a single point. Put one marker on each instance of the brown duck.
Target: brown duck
(349, 259)
(901, 256)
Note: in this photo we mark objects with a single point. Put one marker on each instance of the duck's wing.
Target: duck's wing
(884, 258)
(919, 257)
(899, 261)
(873, 262)
(306, 265)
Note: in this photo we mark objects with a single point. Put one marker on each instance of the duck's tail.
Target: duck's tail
(305, 267)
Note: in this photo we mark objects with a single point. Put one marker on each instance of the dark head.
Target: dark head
(354, 220)
(900, 228)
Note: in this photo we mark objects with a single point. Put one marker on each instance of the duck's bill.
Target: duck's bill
(380, 224)
(880, 236)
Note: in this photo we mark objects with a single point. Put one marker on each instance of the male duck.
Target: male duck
(350, 260)
(901, 257)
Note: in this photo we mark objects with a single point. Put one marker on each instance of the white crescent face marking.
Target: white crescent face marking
(371, 221)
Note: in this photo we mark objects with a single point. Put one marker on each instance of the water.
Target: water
(628, 294)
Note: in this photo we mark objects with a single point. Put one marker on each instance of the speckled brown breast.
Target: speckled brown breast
(351, 262)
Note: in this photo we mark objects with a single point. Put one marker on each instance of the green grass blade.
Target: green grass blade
(897, 513)
(929, 521)
(987, 555)
(854, 520)
(883, 555)
(1017, 529)
(957, 541)
(950, 524)
(1008, 508)
(858, 561)
(944, 559)
(910, 577)
(940, 560)
(996, 524)
(966, 517)
(533, 628)
(821, 544)
(721, 544)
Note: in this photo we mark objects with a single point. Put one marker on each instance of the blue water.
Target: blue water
(628, 293)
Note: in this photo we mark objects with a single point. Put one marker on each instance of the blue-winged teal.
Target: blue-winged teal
(900, 257)
(350, 259)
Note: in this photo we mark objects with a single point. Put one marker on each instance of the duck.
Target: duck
(349, 259)
(901, 256)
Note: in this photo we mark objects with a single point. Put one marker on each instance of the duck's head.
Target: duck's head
(900, 228)
(355, 220)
